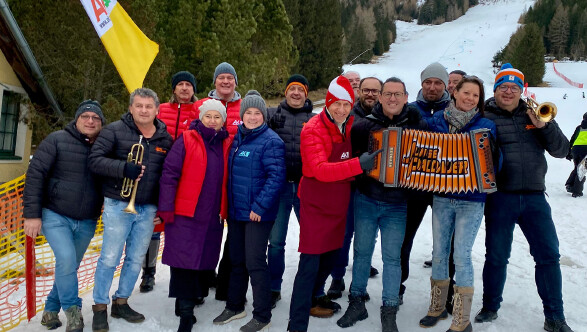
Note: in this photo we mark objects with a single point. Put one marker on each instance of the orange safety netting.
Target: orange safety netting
(27, 266)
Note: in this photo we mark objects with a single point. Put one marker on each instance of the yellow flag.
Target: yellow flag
(130, 50)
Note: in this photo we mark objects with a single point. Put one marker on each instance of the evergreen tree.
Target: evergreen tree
(525, 51)
(558, 32)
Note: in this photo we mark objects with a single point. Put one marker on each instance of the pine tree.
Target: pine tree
(525, 51)
(558, 32)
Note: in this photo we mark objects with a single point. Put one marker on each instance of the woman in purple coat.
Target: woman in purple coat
(192, 203)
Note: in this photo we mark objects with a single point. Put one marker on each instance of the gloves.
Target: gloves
(569, 156)
(132, 171)
(277, 121)
(166, 216)
(367, 160)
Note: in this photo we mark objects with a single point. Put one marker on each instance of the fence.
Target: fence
(27, 265)
(568, 80)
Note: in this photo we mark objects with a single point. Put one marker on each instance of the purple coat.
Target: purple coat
(194, 242)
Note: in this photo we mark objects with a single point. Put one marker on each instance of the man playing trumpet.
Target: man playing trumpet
(520, 199)
(109, 159)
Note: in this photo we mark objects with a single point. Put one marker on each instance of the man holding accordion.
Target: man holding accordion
(128, 155)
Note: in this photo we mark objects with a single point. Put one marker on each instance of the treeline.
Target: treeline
(563, 24)
(265, 40)
(440, 11)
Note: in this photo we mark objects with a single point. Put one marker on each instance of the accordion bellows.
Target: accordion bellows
(436, 162)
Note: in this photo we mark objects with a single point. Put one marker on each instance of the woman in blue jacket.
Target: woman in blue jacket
(457, 214)
(256, 167)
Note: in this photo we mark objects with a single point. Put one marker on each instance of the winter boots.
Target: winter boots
(461, 313)
(50, 320)
(149, 267)
(388, 317)
(323, 307)
(100, 321)
(438, 296)
(121, 309)
(354, 313)
(336, 288)
(485, 315)
(185, 311)
(556, 326)
(75, 320)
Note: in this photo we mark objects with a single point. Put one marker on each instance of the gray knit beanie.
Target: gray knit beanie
(225, 68)
(90, 106)
(253, 99)
(213, 105)
(435, 70)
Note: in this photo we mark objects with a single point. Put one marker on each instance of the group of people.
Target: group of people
(224, 158)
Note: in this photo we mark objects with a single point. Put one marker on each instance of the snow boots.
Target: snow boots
(388, 317)
(354, 313)
(461, 313)
(438, 296)
(100, 321)
(121, 309)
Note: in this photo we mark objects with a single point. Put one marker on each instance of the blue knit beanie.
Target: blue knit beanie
(90, 106)
(225, 68)
(508, 74)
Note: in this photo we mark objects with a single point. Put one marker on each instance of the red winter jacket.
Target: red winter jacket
(190, 184)
(316, 146)
(176, 119)
(233, 118)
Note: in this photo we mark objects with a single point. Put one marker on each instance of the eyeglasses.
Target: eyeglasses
(388, 95)
(366, 91)
(512, 88)
(86, 117)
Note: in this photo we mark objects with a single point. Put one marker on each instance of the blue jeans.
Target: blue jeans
(532, 213)
(461, 218)
(370, 216)
(276, 252)
(122, 228)
(69, 238)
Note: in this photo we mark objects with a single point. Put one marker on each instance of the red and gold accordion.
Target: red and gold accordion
(436, 162)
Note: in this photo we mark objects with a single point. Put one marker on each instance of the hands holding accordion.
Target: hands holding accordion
(367, 159)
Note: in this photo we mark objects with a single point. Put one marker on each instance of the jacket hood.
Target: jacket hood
(308, 107)
(491, 106)
(72, 129)
(161, 128)
(439, 104)
(214, 95)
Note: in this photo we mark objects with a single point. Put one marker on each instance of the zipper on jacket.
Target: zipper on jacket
(177, 121)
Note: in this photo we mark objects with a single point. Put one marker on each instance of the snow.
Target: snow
(469, 44)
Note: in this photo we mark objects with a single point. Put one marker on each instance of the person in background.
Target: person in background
(287, 120)
(520, 199)
(192, 196)
(355, 79)
(456, 217)
(57, 178)
(122, 230)
(324, 192)
(379, 208)
(256, 175)
(454, 78)
(177, 115)
(577, 153)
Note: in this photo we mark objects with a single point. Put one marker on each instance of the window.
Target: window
(9, 123)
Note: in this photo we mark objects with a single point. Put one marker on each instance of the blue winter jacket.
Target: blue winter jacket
(429, 108)
(256, 173)
(438, 124)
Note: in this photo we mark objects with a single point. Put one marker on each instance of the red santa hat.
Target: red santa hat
(340, 89)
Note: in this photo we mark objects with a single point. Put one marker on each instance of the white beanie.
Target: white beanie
(213, 105)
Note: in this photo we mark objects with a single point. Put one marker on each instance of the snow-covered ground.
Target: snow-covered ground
(468, 44)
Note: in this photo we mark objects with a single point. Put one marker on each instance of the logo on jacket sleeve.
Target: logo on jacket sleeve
(345, 155)
(244, 153)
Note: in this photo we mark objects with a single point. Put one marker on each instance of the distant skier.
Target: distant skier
(577, 153)
(583, 94)
(565, 96)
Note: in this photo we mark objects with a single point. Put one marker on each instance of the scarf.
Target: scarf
(456, 118)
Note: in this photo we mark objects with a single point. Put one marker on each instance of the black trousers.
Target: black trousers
(313, 270)
(248, 241)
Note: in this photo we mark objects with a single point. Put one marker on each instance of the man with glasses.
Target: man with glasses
(379, 208)
(63, 200)
(432, 98)
(369, 91)
(520, 199)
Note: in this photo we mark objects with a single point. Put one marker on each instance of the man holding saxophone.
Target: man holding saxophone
(130, 185)
(520, 199)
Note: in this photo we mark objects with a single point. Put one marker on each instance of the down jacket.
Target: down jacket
(177, 117)
(233, 106)
(408, 118)
(522, 146)
(288, 122)
(256, 169)
(110, 152)
(58, 177)
(440, 125)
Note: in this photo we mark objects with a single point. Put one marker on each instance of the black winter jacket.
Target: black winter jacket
(288, 122)
(411, 118)
(358, 111)
(59, 179)
(522, 146)
(110, 152)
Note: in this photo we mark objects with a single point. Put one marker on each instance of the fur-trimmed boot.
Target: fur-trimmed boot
(461, 312)
(437, 309)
